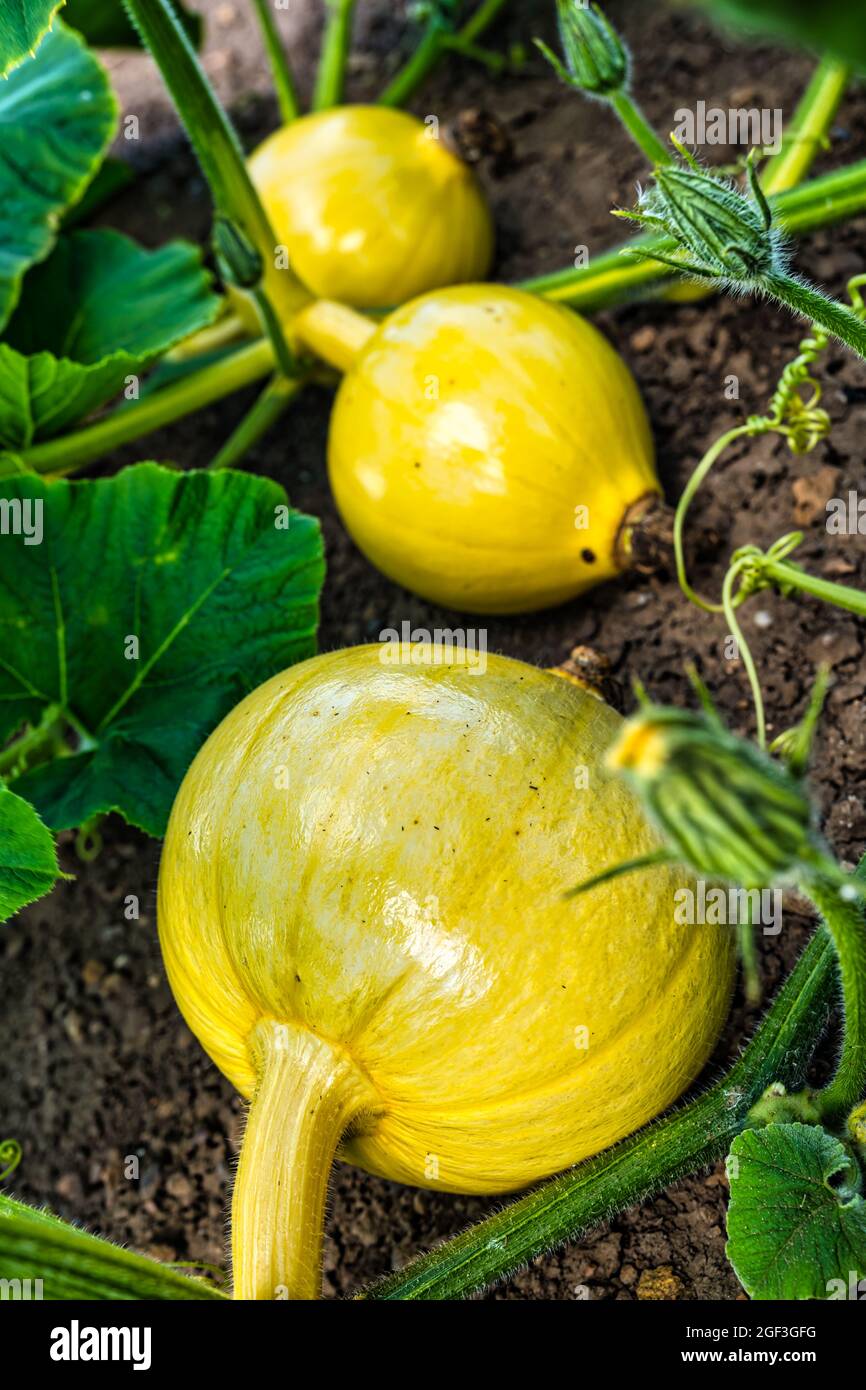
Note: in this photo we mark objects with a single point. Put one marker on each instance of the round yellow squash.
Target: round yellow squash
(371, 208)
(362, 917)
(488, 450)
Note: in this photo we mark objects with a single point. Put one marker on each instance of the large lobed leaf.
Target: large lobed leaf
(57, 118)
(28, 859)
(75, 1265)
(98, 311)
(22, 25)
(797, 1219)
(195, 567)
(104, 23)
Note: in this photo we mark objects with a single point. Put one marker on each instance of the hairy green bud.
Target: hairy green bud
(721, 233)
(596, 59)
(724, 807)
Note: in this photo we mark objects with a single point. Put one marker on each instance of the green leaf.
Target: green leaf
(105, 24)
(28, 858)
(57, 118)
(22, 25)
(797, 1219)
(75, 1265)
(99, 310)
(833, 26)
(197, 568)
(12, 464)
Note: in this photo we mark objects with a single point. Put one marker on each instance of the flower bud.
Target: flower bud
(596, 59)
(724, 807)
(725, 235)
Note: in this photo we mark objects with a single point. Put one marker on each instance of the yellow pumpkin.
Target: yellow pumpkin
(370, 206)
(362, 918)
(488, 449)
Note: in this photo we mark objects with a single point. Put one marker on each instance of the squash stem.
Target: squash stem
(336, 44)
(435, 42)
(309, 1093)
(808, 132)
(847, 926)
(638, 127)
(214, 140)
(226, 332)
(836, 319)
(71, 452)
(266, 411)
(333, 332)
(281, 71)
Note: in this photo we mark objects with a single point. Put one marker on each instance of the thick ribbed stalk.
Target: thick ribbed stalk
(270, 406)
(847, 926)
(217, 148)
(807, 132)
(309, 1093)
(337, 40)
(835, 318)
(333, 332)
(284, 82)
(71, 452)
(639, 128)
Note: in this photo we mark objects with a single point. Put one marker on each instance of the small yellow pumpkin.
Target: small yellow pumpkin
(362, 917)
(370, 207)
(488, 449)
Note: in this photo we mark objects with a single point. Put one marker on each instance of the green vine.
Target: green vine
(796, 414)
(10, 1156)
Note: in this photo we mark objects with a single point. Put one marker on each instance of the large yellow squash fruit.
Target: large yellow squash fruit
(371, 207)
(362, 917)
(488, 450)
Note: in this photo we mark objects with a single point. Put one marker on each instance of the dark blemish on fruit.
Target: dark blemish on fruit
(588, 556)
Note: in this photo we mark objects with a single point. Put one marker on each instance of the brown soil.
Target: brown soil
(95, 1063)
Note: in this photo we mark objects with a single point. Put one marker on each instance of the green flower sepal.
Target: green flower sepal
(720, 234)
(724, 808)
(596, 59)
